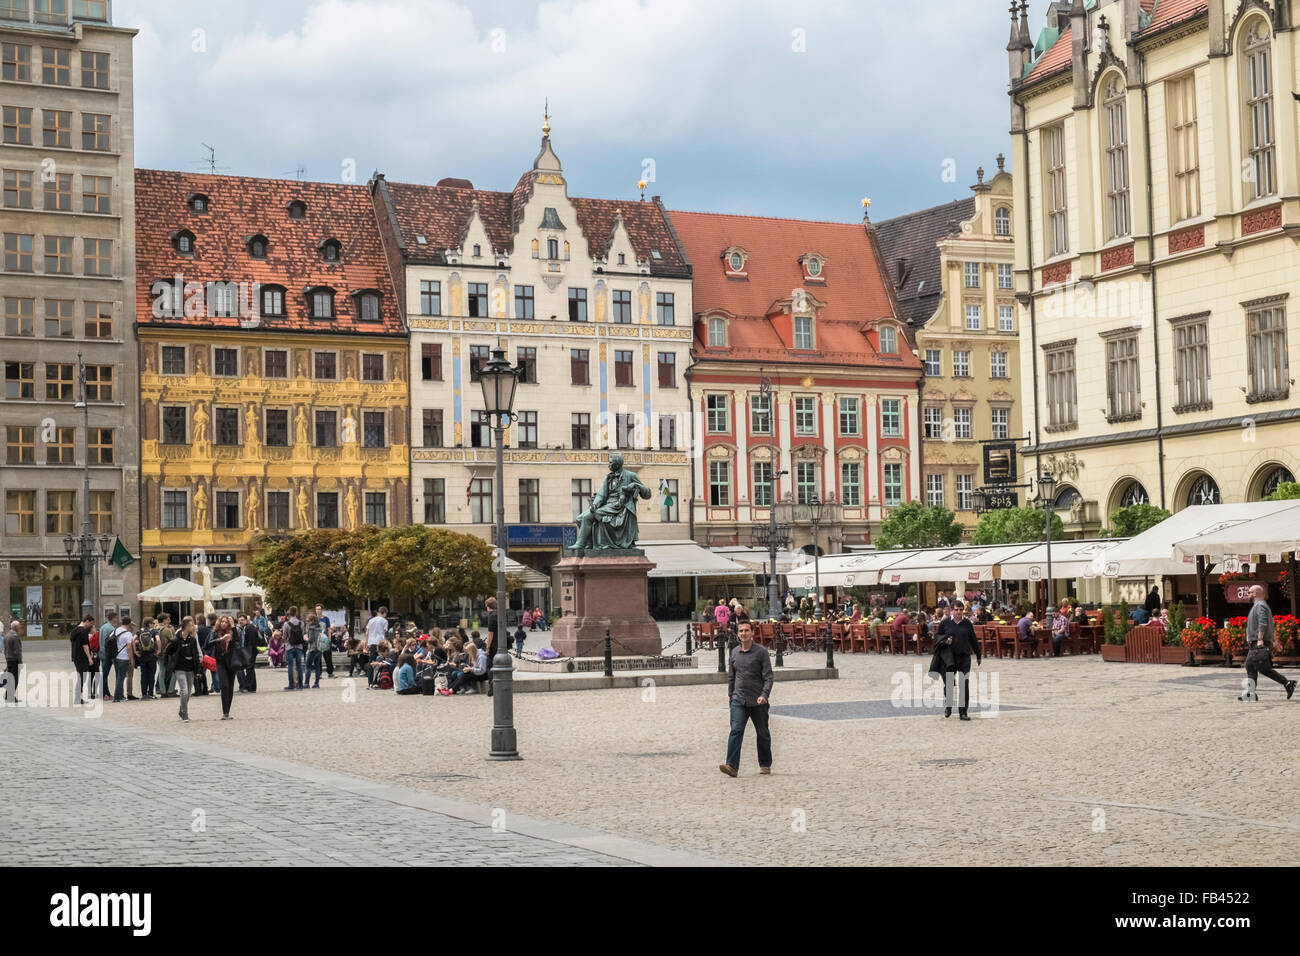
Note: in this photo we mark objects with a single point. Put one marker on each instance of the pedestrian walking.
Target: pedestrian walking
(1260, 634)
(749, 686)
(166, 634)
(13, 648)
(313, 650)
(519, 642)
(83, 658)
(249, 637)
(231, 659)
(327, 647)
(953, 646)
(105, 658)
(184, 659)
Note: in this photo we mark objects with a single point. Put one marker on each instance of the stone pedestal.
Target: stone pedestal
(605, 589)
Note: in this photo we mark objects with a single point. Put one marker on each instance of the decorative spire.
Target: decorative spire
(546, 118)
(1002, 163)
(1025, 41)
(1014, 43)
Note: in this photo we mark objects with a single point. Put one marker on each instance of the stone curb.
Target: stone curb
(534, 685)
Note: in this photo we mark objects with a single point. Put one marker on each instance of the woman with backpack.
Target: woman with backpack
(184, 658)
(146, 656)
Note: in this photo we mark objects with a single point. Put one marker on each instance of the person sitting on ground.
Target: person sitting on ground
(380, 664)
(355, 653)
(406, 683)
(468, 679)
(423, 653)
(275, 649)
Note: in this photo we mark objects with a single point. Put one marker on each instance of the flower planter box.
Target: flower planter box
(1173, 654)
(1114, 652)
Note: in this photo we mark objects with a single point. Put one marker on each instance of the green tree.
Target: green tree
(913, 525)
(418, 563)
(1285, 491)
(312, 567)
(1134, 519)
(1015, 525)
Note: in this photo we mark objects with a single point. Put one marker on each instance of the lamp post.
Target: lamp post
(499, 379)
(774, 538)
(815, 507)
(1046, 500)
(87, 548)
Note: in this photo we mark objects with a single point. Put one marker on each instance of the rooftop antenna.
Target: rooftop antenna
(298, 172)
(211, 161)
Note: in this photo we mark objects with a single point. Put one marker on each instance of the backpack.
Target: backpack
(384, 679)
(111, 650)
(323, 643)
(293, 633)
(148, 641)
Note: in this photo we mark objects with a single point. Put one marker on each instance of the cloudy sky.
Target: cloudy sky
(771, 107)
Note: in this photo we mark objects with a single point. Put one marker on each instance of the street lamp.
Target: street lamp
(499, 380)
(815, 507)
(89, 549)
(775, 536)
(1047, 501)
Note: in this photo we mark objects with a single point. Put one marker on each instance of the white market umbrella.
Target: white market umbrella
(177, 589)
(241, 586)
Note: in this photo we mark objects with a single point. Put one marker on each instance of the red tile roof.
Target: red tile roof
(854, 290)
(239, 208)
(1169, 12)
(1057, 56)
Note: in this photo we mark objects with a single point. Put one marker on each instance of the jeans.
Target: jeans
(740, 714)
(1058, 641)
(293, 659)
(119, 668)
(148, 674)
(215, 686)
(166, 679)
(185, 687)
(106, 665)
(313, 666)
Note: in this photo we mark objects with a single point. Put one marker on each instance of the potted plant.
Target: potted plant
(1288, 636)
(1196, 635)
(1232, 639)
(1115, 628)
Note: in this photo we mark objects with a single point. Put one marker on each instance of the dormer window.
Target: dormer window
(272, 301)
(736, 261)
(297, 209)
(184, 242)
(1002, 221)
(803, 332)
(717, 332)
(367, 305)
(257, 247)
(320, 302)
(888, 340)
(478, 250)
(330, 250)
(622, 259)
(813, 265)
(198, 204)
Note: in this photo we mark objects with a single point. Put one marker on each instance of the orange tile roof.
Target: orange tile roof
(1057, 56)
(1169, 12)
(854, 290)
(240, 208)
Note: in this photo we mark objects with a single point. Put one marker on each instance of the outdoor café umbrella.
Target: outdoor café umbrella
(241, 586)
(177, 589)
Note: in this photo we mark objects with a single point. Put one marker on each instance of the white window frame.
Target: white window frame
(891, 486)
(972, 275)
(1055, 196)
(1267, 352)
(934, 496)
(974, 317)
(805, 405)
(850, 409)
(1184, 148)
(1258, 124)
(1123, 378)
(891, 418)
(962, 423)
(851, 484)
(1115, 136)
(1006, 318)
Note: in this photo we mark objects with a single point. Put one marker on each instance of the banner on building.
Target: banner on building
(35, 611)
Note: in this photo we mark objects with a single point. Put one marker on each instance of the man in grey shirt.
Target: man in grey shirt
(1259, 642)
(749, 684)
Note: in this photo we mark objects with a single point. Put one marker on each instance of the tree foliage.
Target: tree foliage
(1134, 519)
(1285, 491)
(419, 563)
(312, 567)
(913, 525)
(1015, 525)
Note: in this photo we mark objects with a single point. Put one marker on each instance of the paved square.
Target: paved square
(876, 710)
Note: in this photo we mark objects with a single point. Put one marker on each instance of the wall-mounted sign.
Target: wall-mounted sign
(1238, 592)
(111, 587)
(212, 558)
(999, 463)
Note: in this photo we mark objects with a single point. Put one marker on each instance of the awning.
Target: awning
(177, 589)
(755, 559)
(857, 569)
(686, 559)
(964, 565)
(1270, 534)
(1070, 559)
(532, 578)
(1172, 545)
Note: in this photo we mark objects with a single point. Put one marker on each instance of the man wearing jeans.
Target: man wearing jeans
(749, 684)
(106, 659)
(1259, 642)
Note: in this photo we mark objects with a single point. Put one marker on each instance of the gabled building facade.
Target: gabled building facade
(273, 391)
(805, 309)
(593, 297)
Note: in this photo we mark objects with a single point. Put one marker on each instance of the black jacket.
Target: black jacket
(183, 654)
(953, 647)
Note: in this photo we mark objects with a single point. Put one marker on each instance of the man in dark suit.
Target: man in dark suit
(954, 643)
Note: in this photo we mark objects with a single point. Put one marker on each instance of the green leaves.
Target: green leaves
(1134, 519)
(1286, 490)
(913, 525)
(1014, 525)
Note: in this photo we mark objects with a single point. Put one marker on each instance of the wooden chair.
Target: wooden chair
(704, 636)
(881, 632)
(988, 636)
(766, 633)
(1008, 643)
(859, 637)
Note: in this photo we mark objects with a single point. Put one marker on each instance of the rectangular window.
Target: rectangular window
(577, 305)
(891, 417)
(1115, 139)
(580, 366)
(1122, 382)
(374, 429)
(99, 320)
(1004, 275)
(716, 414)
(175, 425)
(101, 512)
(276, 425)
(524, 302)
(98, 257)
(277, 511)
(372, 367)
(720, 484)
(667, 370)
(435, 500)
(95, 193)
(622, 307)
(803, 336)
(625, 431)
(1057, 237)
(58, 318)
(325, 366)
(478, 300)
(579, 495)
(225, 511)
(377, 508)
(57, 192)
(530, 501)
(526, 357)
(17, 189)
(668, 505)
(893, 484)
(934, 491)
(20, 512)
(275, 363)
(17, 125)
(20, 444)
(717, 332)
(432, 428)
(1062, 398)
(1184, 150)
(849, 423)
(52, 11)
(327, 428)
(1006, 318)
(94, 131)
(175, 509)
(961, 423)
(19, 316)
(973, 318)
(961, 363)
(225, 362)
(322, 305)
(480, 500)
(805, 415)
(173, 360)
(526, 436)
(272, 303)
(480, 430)
(664, 308)
(972, 275)
(932, 421)
(430, 362)
(580, 429)
(58, 255)
(1259, 115)
(623, 368)
(18, 252)
(327, 509)
(760, 413)
(99, 383)
(998, 364)
(225, 423)
(94, 70)
(56, 66)
(1268, 359)
(1001, 421)
(479, 355)
(933, 358)
(430, 297)
(805, 481)
(1192, 364)
(851, 483)
(20, 380)
(762, 492)
(90, 9)
(16, 62)
(667, 431)
(965, 492)
(61, 449)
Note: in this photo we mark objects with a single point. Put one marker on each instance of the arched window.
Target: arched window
(718, 332)
(1065, 498)
(331, 251)
(1134, 494)
(1115, 139)
(888, 340)
(184, 242)
(257, 247)
(1204, 491)
(1002, 221)
(1275, 477)
(297, 209)
(552, 248)
(199, 203)
(1257, 123)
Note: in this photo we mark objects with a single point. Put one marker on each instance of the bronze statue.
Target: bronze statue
(610, 523)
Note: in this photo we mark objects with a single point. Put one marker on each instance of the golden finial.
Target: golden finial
(546, 118)
(640, 184)
(866, 203)
(866, 209)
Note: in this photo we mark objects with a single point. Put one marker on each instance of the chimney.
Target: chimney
(1079, 52)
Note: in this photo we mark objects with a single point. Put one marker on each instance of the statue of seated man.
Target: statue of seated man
(610, 522)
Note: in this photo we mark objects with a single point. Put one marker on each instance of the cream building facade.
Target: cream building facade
(1160, 213)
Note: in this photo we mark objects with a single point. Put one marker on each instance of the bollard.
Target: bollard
(609, 655)
(688, 640)
(830, 648)
(722, 651)
(780, 646)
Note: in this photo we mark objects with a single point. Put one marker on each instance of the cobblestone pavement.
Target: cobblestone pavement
(1109, 764)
